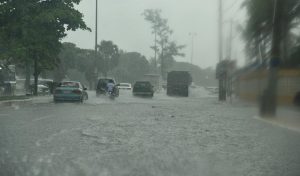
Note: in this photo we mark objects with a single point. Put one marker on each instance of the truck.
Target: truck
(178, 83)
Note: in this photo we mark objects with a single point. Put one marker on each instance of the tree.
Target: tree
(167, 49)
(154, 17)
(172, 50)
(132, 67)
(270, 23)
(109, 56)
(259, 27)
(32, 30)
(74, 58)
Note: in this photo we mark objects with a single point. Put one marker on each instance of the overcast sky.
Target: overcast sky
(121, 21)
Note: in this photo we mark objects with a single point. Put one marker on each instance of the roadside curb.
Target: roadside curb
(15, 102)
(281, 122)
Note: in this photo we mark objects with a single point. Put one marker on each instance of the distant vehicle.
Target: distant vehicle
(70, 91)
(154, 79)
(143, 88)
(213, 90)
(178, 83)
(124, 86)
(102, 86)
(47, 82)
(45, 86)
(43, 90)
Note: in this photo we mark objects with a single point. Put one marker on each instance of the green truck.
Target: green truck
(178, 83)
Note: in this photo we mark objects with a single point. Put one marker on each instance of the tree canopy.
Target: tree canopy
(34, 28)
(132, 67)
(108, 54)
(31, 31)
(163, 45)
(259, 27)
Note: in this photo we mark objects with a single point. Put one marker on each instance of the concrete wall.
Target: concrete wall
(249, 86)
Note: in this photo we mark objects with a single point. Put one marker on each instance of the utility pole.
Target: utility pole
(162, 64)
(96, 27)
(192, 45)
(36, 76)
(155, 49)
(96, 41)
(220, 30)
(230, 41)
(269, 99)
(222, 93)
(228, 80)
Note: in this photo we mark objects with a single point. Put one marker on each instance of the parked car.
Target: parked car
(143, 88)
(125, 86)
(101, 86)
(43, 90)
(70, 91)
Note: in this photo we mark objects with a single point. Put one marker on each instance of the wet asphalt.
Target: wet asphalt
(138, 136)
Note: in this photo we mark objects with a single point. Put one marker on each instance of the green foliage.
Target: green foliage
(109, 55)
(294, 59)
(132, 67)
(259, 26)
(74, 58)
(128, 67)
(166, 49)
(32, 29)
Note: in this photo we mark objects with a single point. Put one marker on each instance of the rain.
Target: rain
(149, 88)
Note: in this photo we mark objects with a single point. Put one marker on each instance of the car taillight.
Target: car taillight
(76, 91)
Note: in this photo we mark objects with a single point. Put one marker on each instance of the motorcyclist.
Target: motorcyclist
(110, 86)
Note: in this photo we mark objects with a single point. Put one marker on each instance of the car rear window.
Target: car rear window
(125, 85)
(105, 81)
(142, 84)
(70, 84)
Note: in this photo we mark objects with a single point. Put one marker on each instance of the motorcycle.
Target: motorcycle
(111, 94)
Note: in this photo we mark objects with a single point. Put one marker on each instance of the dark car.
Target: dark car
(143, 88)
(102, 86)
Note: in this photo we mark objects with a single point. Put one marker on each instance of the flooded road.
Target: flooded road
(144, 136)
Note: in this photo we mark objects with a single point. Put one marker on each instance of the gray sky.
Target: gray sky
(121, 21)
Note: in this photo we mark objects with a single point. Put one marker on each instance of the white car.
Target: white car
(42, 89)
(125, 86)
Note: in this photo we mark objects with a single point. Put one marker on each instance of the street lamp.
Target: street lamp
(192, 34)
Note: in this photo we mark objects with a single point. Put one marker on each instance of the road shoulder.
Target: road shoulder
(286, 117)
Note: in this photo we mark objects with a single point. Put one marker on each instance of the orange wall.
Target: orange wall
(251, 85)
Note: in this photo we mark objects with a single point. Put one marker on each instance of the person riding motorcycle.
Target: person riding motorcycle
(110, 87)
